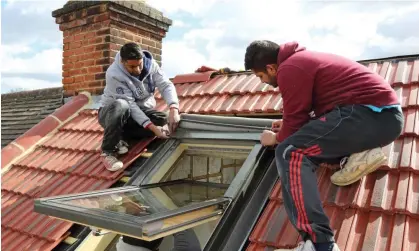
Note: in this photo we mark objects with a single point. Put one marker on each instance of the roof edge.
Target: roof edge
(205, 73)
(36, 92)
(25, 143)
(394, 58)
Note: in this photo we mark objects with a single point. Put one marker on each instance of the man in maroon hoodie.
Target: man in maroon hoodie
(334, 108)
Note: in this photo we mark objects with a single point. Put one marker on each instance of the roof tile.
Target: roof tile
(188, 106)
(193, 77)
(263, 102)
(275, 105)
(207, 105)
(248, 107)
(68, 162)
(8, 153)
(353, 229)
(227, 105)
(216, 105)
(234, 83)
(13, 240)
(200, 103)
(414, 77)
(379, 191)
(240, 102)
(219, 95)
(412, 122)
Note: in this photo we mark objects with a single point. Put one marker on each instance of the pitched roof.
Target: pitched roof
(393, 188)
(238, 93)
(20, 111)
(65, 160)
(379, 212)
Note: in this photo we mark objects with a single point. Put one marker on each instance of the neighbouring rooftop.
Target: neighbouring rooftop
(20, 111)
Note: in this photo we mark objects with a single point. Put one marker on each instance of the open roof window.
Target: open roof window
(206, 163)
(147, 213)
(190, 181)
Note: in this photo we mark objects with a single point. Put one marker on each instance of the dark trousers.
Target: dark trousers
(118, 124)
(340, 133)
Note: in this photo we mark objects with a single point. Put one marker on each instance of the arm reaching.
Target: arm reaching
(165, 86)
(168, 92)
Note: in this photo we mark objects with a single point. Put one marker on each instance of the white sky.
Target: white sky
(216, 33)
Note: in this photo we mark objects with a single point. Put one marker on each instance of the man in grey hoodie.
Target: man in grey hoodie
(127, 104)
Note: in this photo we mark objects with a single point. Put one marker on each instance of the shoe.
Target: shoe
(359, 165)
(111, 162)
(122, 147)
(302, 246)
(307, 246)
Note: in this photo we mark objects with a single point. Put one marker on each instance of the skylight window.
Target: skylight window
(206, 163)
(189, 182)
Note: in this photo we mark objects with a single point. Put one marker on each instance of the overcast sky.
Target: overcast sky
(216, 33)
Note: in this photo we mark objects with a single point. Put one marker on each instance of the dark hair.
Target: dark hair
(131, 51)
(259, 54)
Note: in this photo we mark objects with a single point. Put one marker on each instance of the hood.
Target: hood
(147, 60)
(288, 49)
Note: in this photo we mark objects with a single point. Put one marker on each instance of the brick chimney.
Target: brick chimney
(94, 31)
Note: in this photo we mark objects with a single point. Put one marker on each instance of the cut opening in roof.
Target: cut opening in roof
(188, 183)
(218, 165)
(201, 162)
(188, 190)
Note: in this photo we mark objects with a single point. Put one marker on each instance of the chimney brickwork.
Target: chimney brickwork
(94, 31)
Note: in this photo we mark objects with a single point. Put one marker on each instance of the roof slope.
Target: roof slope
(381, 212)
(241, 93)
(67, 162)
(20, 111)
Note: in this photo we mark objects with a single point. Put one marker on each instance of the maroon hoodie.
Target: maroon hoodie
(315, 81)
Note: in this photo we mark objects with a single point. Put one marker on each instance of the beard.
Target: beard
(273, 82)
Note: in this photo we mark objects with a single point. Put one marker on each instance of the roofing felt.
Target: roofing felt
(380, 212)
(20, 111)
(66, 162)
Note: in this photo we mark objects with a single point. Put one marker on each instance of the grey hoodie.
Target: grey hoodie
(138, 91)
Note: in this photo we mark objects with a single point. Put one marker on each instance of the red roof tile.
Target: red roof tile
(68, 162)
(193, 77)
(354, 230)
(13, 240)
(239, 93)
(381, 211)
(43, 128)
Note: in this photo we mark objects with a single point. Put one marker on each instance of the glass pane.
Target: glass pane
(216, 165)
(146, 201)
